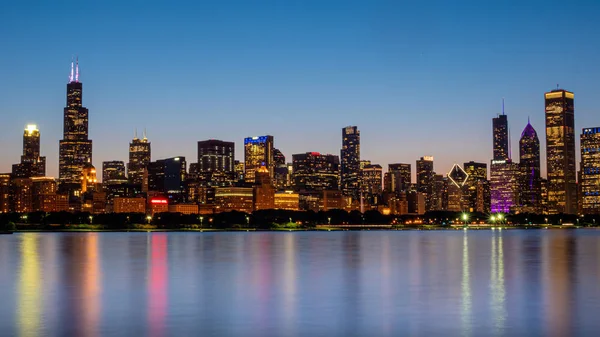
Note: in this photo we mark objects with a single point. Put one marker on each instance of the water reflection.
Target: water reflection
(497, 283)
(466, 305)
(30, 287)
(420, 283)
(157, 285)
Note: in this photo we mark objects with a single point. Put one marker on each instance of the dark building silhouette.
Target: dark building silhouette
(32, 164)
(75, 148)
(560, 152)
(167, 176)
(590, 171)
(140, 155)
(313, 171)
(350, 162)
(216, 163)
(530, 187)
(500, 134)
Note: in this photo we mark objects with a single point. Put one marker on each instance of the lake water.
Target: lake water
(369, 283)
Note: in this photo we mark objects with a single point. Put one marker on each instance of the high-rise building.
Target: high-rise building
(457, 179)
(476, 191)
(88, 178)
(399, 177)
(21, 201)
(425, 179)
(216, 162)
(313, 171)
(167, 176)
(113, 173)
(258, 151)
(590, 171)
(5, 179)
(560, 152)
(504, 185)
(75, 147)
(500, 134)
(32, 164)
(140, 156)
(530, 188)
(264, 193)
(350, 162)
(370, 179)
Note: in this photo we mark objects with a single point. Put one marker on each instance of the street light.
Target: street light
(465, 218)
(201, 220)
(493, 218)
(91, 219)
(329, 221)
(149, 218)
(248, 220)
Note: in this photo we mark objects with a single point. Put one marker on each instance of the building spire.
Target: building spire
(71, 77)
(135, 133)
(77, 69)
(502, 105)
(145, 133)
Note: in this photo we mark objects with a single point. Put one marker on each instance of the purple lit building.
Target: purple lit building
(504, 185)
(530, 187)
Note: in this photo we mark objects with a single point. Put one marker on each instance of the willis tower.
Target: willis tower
(75, 147)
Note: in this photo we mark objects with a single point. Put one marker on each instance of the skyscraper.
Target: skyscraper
(75, 147)
(168, 176)
(590, 170)
(500, 133)
(31, 165)
(350, 161)
(399, 178)
(560, 152)
(504, 185)
(530, 188)
(476, 192)
(425, 179)
(313, 171)
(216, 162)
(113, 173)
(140, 156)
(258, 151)
(371, 179)
(457, 179)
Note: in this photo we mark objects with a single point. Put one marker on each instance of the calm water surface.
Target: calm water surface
(379, 283)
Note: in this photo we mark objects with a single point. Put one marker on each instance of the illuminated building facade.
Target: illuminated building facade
(590, 171)
(88, 178)
(140, 156)
(216, 162)
(504, 185)
(258, 151)
(530, 188)
(129, 205)
(264, 192)
(350, 162)
(184, 208)
(282, 173)
(167, 176)
(457, 179)
(21, 201)
(229, 199)
(239, 171)
(439, 201)
(113, 173)
(43, 192)
(5, 179)
(370, 179)
(425, 175)
(75, 148)
(288, 200)
(32, 164)
(560, 152)
(398, 178)
(313, 171)
(476, 192)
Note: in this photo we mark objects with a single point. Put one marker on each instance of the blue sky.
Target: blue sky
(418, 78)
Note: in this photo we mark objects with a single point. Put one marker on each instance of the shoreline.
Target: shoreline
(320, 229)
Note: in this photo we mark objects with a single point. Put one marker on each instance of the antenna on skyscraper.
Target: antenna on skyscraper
(509, 145)
(71, 75)
(77, 69)
(135, 133)
(502, 105)
(145, 133)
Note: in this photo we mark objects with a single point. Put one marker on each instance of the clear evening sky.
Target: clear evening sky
(417, 77)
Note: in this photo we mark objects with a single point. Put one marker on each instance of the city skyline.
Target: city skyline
(318, 74)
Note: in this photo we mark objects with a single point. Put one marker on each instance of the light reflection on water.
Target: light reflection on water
(419, 283)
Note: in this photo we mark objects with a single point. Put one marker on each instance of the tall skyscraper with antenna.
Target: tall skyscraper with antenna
(500, 132)
(75, 148)
(139, 157)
